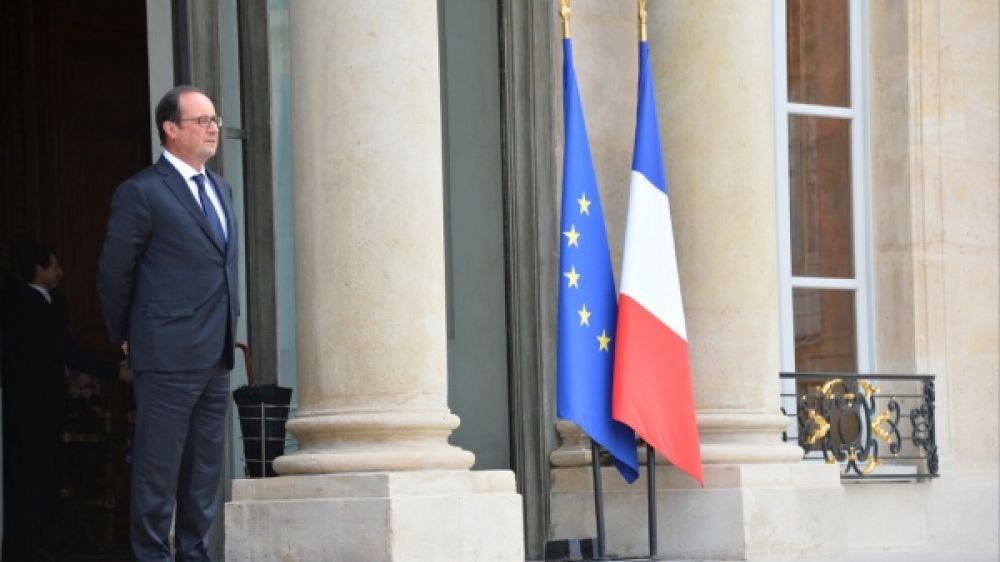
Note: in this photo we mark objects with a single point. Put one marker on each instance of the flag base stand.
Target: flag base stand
(595, 548)
(581, 550)
(571, 550)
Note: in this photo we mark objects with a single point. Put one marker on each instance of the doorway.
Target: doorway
(74, 111)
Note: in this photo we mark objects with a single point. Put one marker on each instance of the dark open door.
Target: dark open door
(74, 117)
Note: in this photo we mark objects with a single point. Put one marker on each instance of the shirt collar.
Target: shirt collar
(45, 292)
(186, 171)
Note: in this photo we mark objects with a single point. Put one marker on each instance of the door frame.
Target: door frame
(529, 93)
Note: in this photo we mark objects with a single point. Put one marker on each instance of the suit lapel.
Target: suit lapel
(178, 186)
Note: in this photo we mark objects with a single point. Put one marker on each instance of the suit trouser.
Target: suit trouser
(177, 457)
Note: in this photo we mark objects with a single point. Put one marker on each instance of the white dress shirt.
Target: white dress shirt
(188, 173)
(43, 291)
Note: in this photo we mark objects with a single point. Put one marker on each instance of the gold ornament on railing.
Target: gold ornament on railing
(869, 388)
(825, 389)
(820, 429)
(871, 465)
(882, 434)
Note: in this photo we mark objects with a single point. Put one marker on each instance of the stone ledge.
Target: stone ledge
(373, 485)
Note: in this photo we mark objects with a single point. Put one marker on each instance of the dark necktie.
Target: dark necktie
(209, 210)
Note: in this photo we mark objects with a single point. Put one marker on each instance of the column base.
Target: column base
(363, 441)
(745, 511)
(433, 515)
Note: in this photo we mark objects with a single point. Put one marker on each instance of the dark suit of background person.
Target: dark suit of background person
(169, 288)
(37, 347)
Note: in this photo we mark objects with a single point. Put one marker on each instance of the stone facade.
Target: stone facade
(932, 109)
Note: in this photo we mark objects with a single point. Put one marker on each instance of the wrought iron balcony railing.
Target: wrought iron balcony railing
(874, 426)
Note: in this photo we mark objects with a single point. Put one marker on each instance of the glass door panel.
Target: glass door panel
(819, 168)
(818, 35)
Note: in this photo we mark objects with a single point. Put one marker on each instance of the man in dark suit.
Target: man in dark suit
(167, 281)
(37, 348)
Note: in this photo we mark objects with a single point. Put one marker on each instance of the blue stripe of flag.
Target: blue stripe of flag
(646, 157)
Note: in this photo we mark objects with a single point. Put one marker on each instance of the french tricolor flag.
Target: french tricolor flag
(652, 376)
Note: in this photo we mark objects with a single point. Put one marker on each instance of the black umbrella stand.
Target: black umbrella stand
(263, 411)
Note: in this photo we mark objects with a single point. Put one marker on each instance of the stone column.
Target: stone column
(369, 240)
(713, 63)
(719, 130)
(374, 478)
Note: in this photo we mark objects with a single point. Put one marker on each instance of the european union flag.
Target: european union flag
(587, 299)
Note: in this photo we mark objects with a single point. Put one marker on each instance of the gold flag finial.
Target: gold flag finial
(564, 14)
(642, 20)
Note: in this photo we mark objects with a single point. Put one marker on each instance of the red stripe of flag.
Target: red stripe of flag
(656, 398)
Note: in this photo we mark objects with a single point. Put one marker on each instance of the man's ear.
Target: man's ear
(170, 129)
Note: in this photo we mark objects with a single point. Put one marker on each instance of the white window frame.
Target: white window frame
(857, 114)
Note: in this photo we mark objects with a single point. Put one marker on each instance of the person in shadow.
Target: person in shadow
(37, 348)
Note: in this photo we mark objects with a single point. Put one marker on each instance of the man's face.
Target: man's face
(48, 277)
(189, 141)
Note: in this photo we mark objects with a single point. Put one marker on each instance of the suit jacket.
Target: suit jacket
(165, 285)
(37, 347)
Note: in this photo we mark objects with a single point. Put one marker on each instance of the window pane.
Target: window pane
(818, 52)
(819, 167)
(824, 331)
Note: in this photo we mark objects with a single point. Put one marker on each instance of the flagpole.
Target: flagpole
(642, 20)
(650, 451)
(595, 464)
(585, 359)
(651, 500)
(595, 451)
(564, 14)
